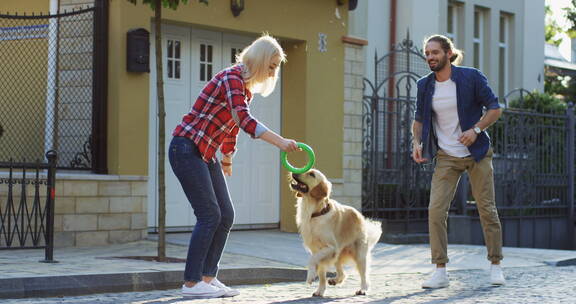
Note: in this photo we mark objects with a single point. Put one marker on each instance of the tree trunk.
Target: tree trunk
(161, 134)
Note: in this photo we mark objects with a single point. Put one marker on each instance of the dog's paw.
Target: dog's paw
(310, 277)
(318, 294)
(337, 280)
(361, 292)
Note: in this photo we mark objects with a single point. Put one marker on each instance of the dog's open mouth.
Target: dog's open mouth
(298, 185)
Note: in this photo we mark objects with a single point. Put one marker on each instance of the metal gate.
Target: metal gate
(394, 188)
(27, 194)
(533, 173)
(53, 87)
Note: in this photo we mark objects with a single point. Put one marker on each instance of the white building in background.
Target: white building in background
(556, 64)
(503, 38)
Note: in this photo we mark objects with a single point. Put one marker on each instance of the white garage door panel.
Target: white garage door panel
(177, 97)
(254, 185)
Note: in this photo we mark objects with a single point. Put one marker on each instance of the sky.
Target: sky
(558, 15)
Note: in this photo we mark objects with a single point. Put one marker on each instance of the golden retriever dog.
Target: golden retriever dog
(333, 233)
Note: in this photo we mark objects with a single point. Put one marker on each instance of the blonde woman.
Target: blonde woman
(213, 123)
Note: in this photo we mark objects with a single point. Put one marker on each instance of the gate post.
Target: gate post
(570, 160)
(100, 91)
(50, 195)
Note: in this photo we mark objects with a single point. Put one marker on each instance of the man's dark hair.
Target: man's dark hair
(446, 45)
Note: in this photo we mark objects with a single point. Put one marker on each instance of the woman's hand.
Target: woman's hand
(226, 164)
(289, 145)
(284, 144)
(227, 170)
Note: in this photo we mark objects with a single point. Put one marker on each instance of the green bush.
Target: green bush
(540, 103)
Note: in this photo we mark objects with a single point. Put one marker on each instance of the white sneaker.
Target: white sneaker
(202, 290)
(229, 291)
(496, 275)
(438, 279)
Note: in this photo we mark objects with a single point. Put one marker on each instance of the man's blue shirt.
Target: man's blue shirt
(473, 95)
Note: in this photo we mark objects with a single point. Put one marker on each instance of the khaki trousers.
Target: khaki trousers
(444, 181)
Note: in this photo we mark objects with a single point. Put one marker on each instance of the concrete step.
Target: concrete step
(405, 238)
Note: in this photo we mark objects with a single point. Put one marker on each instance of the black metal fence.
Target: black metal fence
(533, 180)
(27, 195)
(52, 80)
(533, 162)
(395, 189)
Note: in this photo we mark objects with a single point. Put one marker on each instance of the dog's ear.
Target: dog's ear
(298, 194)
(320, 191)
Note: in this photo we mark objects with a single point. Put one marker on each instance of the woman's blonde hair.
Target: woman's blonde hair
(447, 45)
(257, 58)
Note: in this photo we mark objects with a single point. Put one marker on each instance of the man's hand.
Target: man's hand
(417, 153)
(468, 137)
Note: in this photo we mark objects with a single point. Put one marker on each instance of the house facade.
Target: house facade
(316, 101)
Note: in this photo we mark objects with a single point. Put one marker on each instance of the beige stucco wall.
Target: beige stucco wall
(20, 7)
(28, 98)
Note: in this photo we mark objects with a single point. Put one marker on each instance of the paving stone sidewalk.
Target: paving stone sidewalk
(542, 285)
(255, 257)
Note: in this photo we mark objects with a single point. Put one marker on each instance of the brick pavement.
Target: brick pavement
(542, 285)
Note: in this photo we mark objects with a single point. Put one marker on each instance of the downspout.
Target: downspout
(391, 81)
(51, 78)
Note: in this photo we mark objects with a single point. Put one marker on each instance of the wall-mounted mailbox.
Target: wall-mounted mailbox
(138, 50)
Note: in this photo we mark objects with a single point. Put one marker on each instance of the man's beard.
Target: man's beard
(439, 65)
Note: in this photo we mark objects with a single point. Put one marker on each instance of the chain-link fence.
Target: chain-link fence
(47, 87)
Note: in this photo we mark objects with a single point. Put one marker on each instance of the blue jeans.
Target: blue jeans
(206, 190)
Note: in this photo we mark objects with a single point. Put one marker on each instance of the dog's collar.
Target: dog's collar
(321, 212)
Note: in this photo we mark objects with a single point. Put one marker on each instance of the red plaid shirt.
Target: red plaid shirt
(215, 118)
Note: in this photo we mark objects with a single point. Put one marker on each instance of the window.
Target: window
(478, 39)
(504, 54)
(452, 22)
(206, 61)
(174, 59)
(233, 53)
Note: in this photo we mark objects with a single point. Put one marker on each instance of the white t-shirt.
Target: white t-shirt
(446, 122)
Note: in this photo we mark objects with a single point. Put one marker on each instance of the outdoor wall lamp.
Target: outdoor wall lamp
(351, 4)
(236, 6)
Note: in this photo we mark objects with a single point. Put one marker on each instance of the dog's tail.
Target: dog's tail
(374, 230)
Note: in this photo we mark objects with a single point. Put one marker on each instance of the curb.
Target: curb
(560, 263)
(75, 285)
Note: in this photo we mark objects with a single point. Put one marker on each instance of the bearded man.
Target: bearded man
(450, 125)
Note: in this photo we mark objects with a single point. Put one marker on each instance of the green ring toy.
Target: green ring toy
(311, 160)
